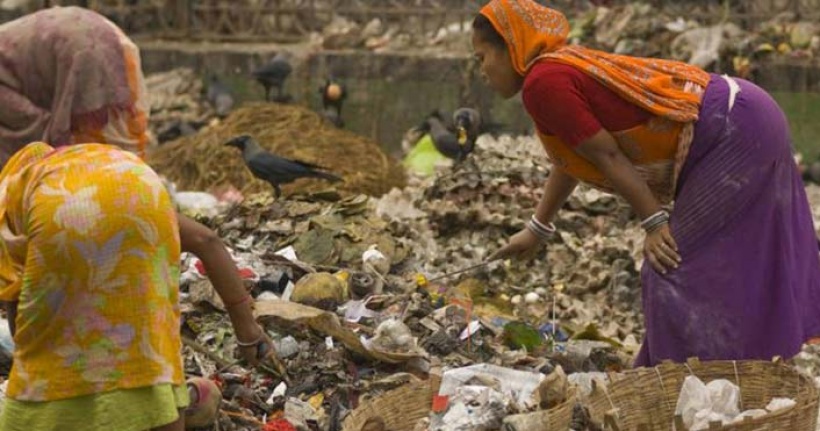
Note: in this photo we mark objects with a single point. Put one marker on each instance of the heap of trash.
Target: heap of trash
(177, 104)
(707, 34)
(351, 290)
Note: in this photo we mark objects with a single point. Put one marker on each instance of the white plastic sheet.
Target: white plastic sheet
(474, 408)
(519, 385)
(699, 404)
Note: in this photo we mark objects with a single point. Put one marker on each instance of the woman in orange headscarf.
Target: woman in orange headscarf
(732, 269)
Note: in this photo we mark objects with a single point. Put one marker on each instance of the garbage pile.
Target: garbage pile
(201, 161)
(347, 287)
(468, 213)
(177, 106)
(808, 360)
(813, 193)
(378, 35)
(702, 33)
(680, 31)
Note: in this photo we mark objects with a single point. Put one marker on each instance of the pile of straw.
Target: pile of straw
(203, 162)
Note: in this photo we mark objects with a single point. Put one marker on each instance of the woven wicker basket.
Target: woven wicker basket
(400, 408)
(644, 399)
(558, 418)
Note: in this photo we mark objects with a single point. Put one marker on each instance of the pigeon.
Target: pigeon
(219, 96)
(273, 75)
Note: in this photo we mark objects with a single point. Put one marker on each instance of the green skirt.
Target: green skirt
(123, 410)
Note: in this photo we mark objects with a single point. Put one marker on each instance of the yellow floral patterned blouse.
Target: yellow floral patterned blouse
(89, 246)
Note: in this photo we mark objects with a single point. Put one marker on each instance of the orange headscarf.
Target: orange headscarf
(534, 32)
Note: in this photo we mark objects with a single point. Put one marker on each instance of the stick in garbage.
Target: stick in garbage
(461, 271)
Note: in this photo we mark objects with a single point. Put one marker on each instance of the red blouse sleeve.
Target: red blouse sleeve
(554, 100)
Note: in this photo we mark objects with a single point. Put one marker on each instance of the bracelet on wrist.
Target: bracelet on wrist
(247, 298)
(655, 227)
(655, 220)
(542, 231)
(549, 227)
(252, 343)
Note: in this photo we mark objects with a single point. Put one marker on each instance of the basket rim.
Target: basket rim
(807, 396)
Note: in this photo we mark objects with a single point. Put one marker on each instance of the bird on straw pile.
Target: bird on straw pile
(274, 169)
(333, 94)
(178, 128)
(219, 96)
(273, 75)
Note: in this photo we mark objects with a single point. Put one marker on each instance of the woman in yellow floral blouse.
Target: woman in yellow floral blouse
(90, 250)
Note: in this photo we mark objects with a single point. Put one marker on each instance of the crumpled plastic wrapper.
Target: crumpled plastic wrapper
(777, 404)
(473, 408)
(392, 336)
(701, 403)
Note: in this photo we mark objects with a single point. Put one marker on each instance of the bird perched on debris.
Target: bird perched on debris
(468, 125)
(219, 96)
(273, 75)
(442, 137)
(457, 139)
(333, 94)
(178, 128)
(440, 131)
(274, 169)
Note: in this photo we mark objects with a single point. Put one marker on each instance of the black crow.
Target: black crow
(274, 169)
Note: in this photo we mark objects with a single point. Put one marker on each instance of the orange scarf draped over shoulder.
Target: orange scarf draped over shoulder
(534, 32)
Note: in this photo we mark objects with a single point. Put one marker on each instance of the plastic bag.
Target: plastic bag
(584, 381)
(724, 396)
(778, 404)
(755, 413)
(392, 335)
(700, 404)
(474, 408)
(704, 417)
(197, 203)
(694, 397)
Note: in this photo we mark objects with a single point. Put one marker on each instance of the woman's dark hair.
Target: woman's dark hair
(487, 32)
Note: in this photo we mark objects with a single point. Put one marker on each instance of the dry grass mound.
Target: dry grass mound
(202, 162)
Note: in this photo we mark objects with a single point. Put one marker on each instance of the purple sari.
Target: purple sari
(749, 283)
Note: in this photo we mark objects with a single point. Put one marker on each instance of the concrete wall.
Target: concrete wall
(389, 93)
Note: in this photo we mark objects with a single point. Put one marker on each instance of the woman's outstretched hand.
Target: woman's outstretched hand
(521, 245)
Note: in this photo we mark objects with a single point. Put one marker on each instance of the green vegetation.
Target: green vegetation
(803, 112)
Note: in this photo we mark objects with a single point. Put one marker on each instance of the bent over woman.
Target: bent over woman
(732, 270)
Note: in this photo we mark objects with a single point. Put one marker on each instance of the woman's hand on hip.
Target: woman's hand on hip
(661, 250)
(523, 244)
